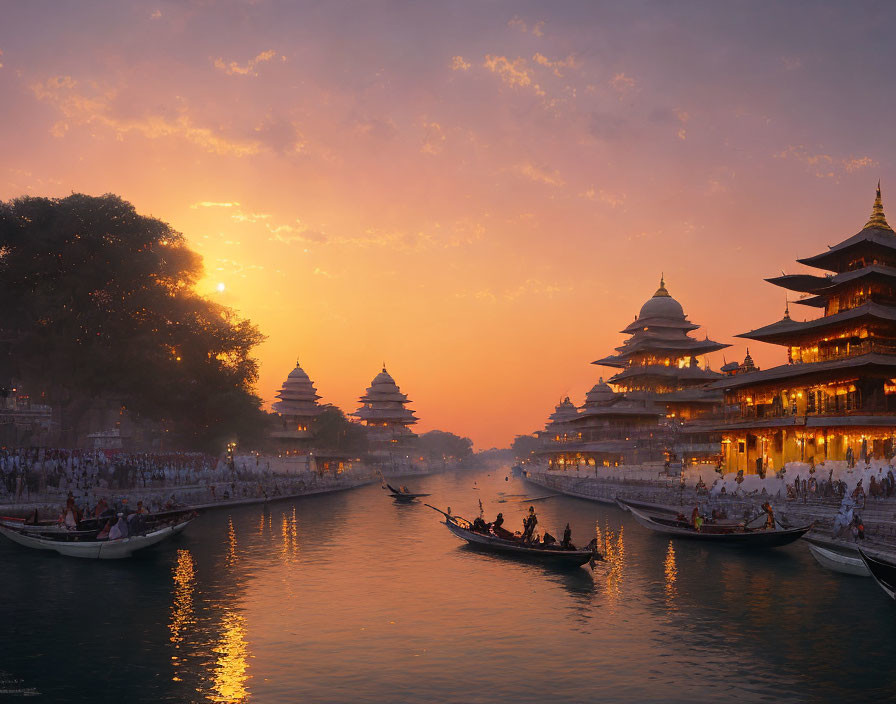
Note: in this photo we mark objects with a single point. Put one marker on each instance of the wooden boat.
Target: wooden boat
(838, 561)
(884, 572)
(724, 534)
(84, 543)
(489, 542)
(403, 497)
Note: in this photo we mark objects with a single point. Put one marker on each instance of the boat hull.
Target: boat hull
(94, 549)
(746, 539)
(560, 558)
(838, 562)
(883, 572)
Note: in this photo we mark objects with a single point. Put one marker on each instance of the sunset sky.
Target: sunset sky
(479, 194)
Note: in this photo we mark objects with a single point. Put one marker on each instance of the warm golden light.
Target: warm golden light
(184, 576)
(229, 677)
(671, 573)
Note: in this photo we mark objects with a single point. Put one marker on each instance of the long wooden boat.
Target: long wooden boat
(884, 573)
(81, 543)
(838, 561)
(403, 497)
(488, 542)
(722, 534)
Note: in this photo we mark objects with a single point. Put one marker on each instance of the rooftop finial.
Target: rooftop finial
(384, 366)
(786, 310)
(661, 291)
(878, 220)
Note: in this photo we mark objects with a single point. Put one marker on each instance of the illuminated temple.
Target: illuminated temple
(297, 407)
(836, 396)
(385, 414)
(658, 406)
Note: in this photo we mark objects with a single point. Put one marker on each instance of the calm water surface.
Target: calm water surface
(349, 598)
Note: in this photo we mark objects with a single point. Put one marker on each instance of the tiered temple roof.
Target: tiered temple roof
(859, 301)
(297, 397)
(384, 404)
(660, 351)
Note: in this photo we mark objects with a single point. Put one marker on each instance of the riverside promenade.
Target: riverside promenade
(650, 485)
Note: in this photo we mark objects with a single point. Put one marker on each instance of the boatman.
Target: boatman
(567, 536)
(529, 524)
(769, 516)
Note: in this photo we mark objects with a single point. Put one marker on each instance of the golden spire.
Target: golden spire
(877, 220)
(661, 291)
(786, 312)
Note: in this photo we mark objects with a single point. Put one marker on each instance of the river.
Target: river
(347, 597)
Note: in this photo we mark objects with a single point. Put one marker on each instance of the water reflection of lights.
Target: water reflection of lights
(184, 575)
(231, 544)
(290, 532)
(614, 558)
(671, 571)
(230, 676)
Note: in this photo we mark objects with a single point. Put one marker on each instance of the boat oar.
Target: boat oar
(446, 515)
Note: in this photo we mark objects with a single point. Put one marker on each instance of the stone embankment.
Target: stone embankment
(207, 495)
(878, 514)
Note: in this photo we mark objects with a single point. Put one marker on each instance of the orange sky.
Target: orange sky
(481, 194)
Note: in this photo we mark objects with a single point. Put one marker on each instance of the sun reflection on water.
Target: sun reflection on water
(230, 675)
(184, 575)
(671, 572)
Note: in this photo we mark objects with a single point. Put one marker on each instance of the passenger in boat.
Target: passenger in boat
(529, 524)
(104, 533)
(769, 516)
(479, 525)
(548, 539)
(567, 536)
(499, 521)
(100, 508)
(120, 529)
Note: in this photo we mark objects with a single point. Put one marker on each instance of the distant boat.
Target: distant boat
(84, 543)
(402, 495)
(839, 562)
(884, 573)
(723, 534)
(557, 556)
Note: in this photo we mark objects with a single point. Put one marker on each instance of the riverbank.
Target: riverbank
(673, 494)
(204, 496)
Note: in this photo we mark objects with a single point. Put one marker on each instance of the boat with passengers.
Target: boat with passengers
(484, 537)
(92, 537)
(738, 534)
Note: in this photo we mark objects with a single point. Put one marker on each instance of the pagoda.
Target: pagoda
(661, 407)
(836, 396)
(388, 420)
(297, 407)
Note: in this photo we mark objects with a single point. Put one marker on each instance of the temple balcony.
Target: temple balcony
(815, 354)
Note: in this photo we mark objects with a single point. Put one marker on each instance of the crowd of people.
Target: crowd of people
(26, 472)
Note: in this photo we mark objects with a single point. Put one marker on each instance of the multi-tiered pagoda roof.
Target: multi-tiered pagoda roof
(859, 301)
(384, 404)
(660, 351)
(297, 397)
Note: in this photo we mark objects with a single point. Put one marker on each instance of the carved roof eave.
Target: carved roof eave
(788, 371)
(653, 321)
(778, 332)
(871, 237)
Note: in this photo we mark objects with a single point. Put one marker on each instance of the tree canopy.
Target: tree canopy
(438, 444)
(333, 431)
(99, 302)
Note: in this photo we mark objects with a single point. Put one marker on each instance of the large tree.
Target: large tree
(99, 303)
(438, 444)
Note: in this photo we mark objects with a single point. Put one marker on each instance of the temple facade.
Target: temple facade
(658, 407)
(297, 406)
(835, 398)
(385, 414)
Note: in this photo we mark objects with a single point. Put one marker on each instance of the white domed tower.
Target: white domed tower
(659, 361)
(388, 420)
(297, 406)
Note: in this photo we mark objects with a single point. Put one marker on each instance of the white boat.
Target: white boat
(838, 562)
(94, 549)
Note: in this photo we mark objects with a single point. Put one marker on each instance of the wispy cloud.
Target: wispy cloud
(458, 64)
(514, 73)
(214, 204)
(433, 138)
(556, 65)
(825, 165)
(78, 108)
(234, 69)
(539, 174)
